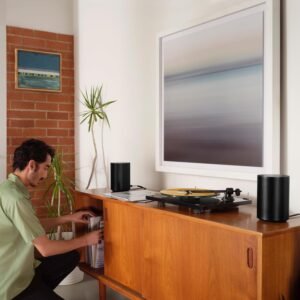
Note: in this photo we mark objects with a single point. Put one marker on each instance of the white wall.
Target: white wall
(2, 92)
(116, 46)
(291, 98)
(46, 15)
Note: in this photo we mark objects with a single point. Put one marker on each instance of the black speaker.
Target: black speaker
(120, 176)
(273, 197)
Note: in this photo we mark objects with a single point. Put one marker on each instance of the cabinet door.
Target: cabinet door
(185, 259)
(122, 235)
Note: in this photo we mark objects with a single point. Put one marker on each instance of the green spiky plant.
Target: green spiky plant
(60, 187)
(95, 112)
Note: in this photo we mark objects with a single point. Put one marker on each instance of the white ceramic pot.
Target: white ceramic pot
(74, 277)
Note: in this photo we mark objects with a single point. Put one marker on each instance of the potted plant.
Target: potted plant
(95, 111)
(61, 188)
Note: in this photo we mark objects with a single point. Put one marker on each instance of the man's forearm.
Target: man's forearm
(48, 247)
(49, 223)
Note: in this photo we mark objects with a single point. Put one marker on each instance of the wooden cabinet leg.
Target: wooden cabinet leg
(102, 291)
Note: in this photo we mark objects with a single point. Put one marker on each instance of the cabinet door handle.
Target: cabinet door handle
(250, 258)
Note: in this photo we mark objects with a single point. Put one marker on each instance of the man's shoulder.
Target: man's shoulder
(7, 185)
(9, 190)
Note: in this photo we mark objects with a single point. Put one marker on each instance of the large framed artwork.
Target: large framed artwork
(219, 96)
(37, 70)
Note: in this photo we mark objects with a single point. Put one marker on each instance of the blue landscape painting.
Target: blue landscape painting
(38, 70)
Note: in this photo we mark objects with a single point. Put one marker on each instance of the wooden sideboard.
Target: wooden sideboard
(170, 253)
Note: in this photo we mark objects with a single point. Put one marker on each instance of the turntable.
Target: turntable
(201, 200)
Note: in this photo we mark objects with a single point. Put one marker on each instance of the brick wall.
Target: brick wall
(37, 114)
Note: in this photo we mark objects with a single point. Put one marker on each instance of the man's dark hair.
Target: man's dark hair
(32, 149)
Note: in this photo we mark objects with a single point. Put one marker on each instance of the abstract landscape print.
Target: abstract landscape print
(38, 70)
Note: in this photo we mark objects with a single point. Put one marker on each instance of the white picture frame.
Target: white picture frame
(270, 153)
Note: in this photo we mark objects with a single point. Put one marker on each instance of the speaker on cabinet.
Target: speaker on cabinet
(273, 197)
(120, 176)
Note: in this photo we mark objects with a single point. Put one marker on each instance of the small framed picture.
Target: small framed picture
(37, 70)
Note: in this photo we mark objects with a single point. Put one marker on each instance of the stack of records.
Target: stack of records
(96, 252)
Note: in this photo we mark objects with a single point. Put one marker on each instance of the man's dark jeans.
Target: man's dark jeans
(48, 275)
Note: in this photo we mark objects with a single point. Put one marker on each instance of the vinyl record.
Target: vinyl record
(187, 192)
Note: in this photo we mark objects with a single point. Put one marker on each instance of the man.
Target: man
(21, 276)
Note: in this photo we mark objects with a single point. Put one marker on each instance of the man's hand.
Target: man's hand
(94, 237)
(80, 216)
(77, 217)
(48, 247)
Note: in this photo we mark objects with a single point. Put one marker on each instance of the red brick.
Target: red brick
(65, 38)
(71, 115)
(67, 81)
(46, 35)
(56, 97)
(10, 76)
(67, 55)
(53, 141)
(21, 105)
(66, 141)
(66, 98)
(67, 64)
(46, 106)
(10, 48)
(67, 148)
(10, 67)
(33, 43)
(18, 141)
(66, 124)
(10, 86)
(26, 114)
(14, 39)
(36, 95)
(57, 132)
(34, 132)
(68, 89)
(41, 211)
(20, 31)
(66, 107)
(57, 115)
(46, 123)
(21, 123)
(68, 73)
(11, 57)
(15, 95)
(11, 149)
(58, 46)
(15, 132)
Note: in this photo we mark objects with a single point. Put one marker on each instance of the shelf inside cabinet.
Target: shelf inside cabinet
(119, 288)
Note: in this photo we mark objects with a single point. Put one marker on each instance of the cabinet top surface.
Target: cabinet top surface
(242, 218)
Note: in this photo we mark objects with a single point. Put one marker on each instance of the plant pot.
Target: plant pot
(74, 277)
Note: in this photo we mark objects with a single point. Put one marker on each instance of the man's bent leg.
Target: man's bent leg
(37, 290)
(54, 269)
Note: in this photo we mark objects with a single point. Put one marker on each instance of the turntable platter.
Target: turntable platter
(186, 192)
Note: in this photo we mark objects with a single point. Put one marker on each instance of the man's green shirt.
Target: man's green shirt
(19, 226)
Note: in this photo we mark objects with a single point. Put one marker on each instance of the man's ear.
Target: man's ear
(32, 165)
